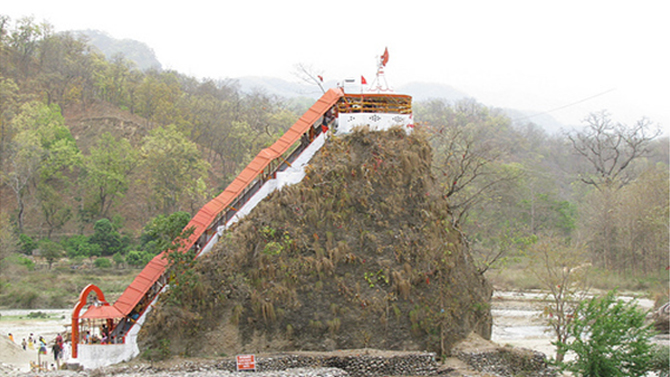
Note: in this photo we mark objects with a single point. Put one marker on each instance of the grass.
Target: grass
(25, 288)
(517, 276)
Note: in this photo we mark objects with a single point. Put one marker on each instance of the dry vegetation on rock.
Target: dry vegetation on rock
(359, 255)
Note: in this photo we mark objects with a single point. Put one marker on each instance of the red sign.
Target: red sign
(246, 362)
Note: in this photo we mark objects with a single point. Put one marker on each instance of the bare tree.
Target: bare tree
(469, 144)
(610, 148)
(562, 270)
(609, 151)
(309, 75)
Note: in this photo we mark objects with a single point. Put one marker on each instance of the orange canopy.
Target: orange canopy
(102, 312)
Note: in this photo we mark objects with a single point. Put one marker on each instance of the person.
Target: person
(11, 337)
(56, 349)
(31, 342)
(24, 343)
(43, 346)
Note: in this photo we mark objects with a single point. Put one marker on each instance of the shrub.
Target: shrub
(27, 244)
(21, 261)
(610, 338)
(138, 258)
(102, 263)
(118, 259)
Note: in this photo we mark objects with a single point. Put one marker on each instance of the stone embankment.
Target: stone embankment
(497, 361)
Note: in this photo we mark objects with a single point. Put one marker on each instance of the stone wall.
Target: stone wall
(418, 364)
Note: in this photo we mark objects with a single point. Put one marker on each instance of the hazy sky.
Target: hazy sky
(529, 55)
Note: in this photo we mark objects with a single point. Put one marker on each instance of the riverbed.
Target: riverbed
(517, 321)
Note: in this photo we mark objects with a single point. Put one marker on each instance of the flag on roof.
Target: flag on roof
(385, 56)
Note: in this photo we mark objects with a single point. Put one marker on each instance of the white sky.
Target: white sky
(528, 55)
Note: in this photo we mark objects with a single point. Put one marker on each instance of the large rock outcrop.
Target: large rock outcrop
(360, 254)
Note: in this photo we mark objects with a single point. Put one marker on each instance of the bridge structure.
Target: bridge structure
(106, 334)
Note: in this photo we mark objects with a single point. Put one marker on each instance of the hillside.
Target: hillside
(358, 255)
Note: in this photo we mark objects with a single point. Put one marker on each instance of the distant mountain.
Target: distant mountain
(279, 87)
(422, 91)
(138, 52)
(546, 121)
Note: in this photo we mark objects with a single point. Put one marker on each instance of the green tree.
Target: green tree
(185, 284)
(107, 171)
(54, 208)
(40, 152)
(50, 251)
(137, 258)
(9, 92)
(175, 170)
(24, 159)
(27, 244)
(8, 241)
(610, 339)
(106, 236)
(161, 231)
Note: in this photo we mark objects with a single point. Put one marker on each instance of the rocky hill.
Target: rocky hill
(360, 254)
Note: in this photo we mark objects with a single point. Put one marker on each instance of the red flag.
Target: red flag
(363, 81)
(385, 56)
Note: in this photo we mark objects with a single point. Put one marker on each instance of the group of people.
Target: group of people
(38, 342)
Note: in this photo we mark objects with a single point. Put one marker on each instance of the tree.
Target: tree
(50, 251)
(8, 241)
(610, 148)
(608, 152)
(162, 230)
(24, 159)
(469, 143)
(54, 208)
(175, 171)
(8, 107)
(641, 217)
(39, 153)
(610, 338)
(309, 75)
(184, 282)
(107, 171)
(106, 237)
(562, 270)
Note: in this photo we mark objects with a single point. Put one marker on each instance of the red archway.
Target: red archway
(75, 314)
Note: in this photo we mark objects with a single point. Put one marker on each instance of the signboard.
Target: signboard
(246, 362)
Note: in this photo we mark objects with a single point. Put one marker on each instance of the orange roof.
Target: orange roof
(102, 311)
(136, 290)
(210, 211)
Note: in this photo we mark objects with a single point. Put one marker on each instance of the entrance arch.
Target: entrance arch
(83, 296)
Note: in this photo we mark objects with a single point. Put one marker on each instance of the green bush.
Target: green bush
(102, 263)
(27, 244)
(660, 360)
(20, 260)
(118, 259)
(138, 258)
(107, 237)
(610, 338)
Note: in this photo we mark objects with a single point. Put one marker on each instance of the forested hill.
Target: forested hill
(100, 160)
